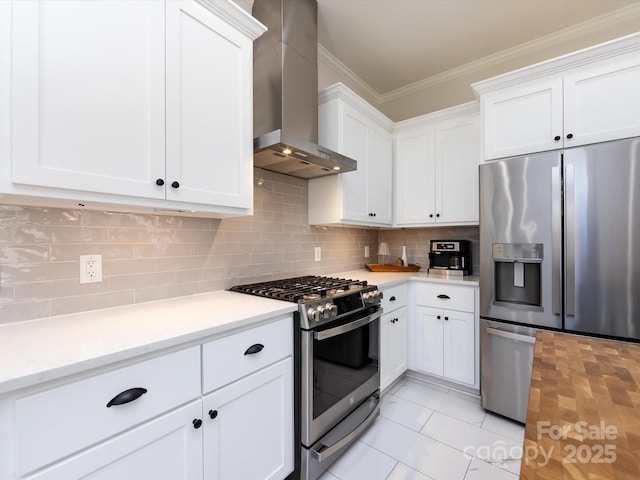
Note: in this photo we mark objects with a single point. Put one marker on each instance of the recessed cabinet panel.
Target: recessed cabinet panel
(354, 145)
(208, 150)
(84, 117)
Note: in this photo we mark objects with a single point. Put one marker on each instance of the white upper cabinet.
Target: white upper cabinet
(352, 127)
(157, 116)
(436, 168)
(586, 97)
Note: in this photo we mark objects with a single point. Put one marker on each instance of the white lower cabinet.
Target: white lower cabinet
(447, 338)
(168, 447)
(393, 335)
(248, 426)
(444, 340)
(160, 417)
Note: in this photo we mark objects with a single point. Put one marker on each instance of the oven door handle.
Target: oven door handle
(326, 452)
(334, 332)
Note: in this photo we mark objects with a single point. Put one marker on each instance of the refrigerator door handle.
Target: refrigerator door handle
(556, 241)
(570, 239)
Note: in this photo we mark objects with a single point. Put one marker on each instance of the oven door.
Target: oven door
(340, 370)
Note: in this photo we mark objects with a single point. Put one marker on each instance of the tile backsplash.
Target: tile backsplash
(151, 257)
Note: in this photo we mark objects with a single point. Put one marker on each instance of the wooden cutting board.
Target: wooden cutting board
(583, 418)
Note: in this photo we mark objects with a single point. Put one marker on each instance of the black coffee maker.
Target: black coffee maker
(450, 257)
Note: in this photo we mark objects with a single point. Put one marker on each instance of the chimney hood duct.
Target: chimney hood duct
(285, 92)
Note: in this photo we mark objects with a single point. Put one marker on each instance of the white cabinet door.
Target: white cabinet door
(347, 124)
(168, 447)
(379, 176)
(88, 104)
(209, 108)
(602, 102)
(436, 169)
(457, 184)
(429, 344)
(354, 144)
(415, 173)
(522, 119)
(248, 426)
(459, 346)
(393, 346)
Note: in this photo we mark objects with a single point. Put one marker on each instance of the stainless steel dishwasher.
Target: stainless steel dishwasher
(506, 358)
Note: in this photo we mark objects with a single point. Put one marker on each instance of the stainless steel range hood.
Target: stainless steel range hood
(285, 93)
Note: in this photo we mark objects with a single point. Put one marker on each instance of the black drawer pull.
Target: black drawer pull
(127, 396)
(257, 348)
(445, 297)
(392, 299)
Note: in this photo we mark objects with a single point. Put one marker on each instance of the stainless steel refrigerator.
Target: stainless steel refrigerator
(559, 249)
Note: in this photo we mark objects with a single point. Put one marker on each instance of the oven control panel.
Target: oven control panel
(328, 309)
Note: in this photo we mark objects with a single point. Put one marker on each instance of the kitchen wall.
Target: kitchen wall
(453, 87)
(150, 257)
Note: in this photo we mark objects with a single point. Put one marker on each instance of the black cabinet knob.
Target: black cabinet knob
(159, 182)
(437, 215)
(438, 317)
(570, 136)
(175, 185)
(392, 299)
(446, 318)
(431, 215)
(213, 414)
(197, 423)
(557, 138)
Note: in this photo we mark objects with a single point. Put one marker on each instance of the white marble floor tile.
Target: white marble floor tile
(406, 413)
(467, 409)
(419, 452)
(479, 470)
(402, 472)
(504, 426)
(328, 476)
(362, 461)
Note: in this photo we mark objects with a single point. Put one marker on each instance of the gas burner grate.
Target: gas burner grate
(299, 289)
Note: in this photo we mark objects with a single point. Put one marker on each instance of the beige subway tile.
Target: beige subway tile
(255, 247)
(213, 285)
(242, 224)
(128, 266)
(241, 237)
(196, 236)
(290, 189)
(5, 235)
(39, 272)
(72, 251)
(162, 250)
(201, 274)
(77, 234)
(116, 219)
(10, 214)
(56, 289)
(82, 303)
(266, 227)
(180, 263)
(142, 280)
(160, 293)
(277, 207)
(6, 293)
(54, 216)
(263, 258)
(23, 254)
(141, 235)
(268, 196)
(18, 312)
(186, 223)
(218, 248)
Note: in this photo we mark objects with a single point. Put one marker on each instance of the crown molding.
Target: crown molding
(620, 15)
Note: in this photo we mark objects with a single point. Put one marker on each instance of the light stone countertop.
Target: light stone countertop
(37, 351)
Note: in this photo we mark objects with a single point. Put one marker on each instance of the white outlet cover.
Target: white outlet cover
(90, 268)
(318, 253)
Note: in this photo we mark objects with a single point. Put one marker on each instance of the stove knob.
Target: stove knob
(327, 312)
(366, 296)
(334, 310)
(377, 295)
(322, 312)
(313, 314)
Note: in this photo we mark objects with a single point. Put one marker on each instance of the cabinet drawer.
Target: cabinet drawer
(58, 422)
(227, 359)
(393, 298)
(452, 297)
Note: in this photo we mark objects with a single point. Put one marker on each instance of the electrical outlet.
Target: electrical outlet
(366, 251)
(90, 268)
(318, 253)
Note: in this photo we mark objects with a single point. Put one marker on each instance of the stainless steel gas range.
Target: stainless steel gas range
(337, 371)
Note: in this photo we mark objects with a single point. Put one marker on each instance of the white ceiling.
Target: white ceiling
(393, 43)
